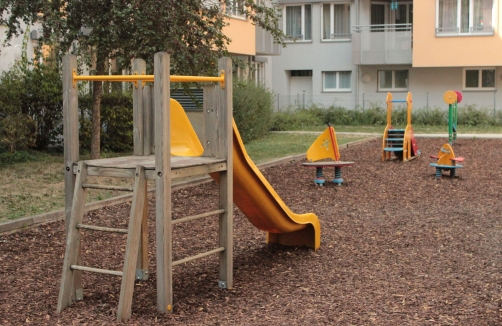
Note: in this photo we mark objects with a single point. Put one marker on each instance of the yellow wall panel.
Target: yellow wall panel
(452, 51)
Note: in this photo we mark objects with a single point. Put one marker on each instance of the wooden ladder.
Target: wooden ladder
(136, 253)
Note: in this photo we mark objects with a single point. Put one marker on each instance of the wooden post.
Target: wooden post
(139, 67)
(132, 247)
(148, 114)
(163, 182)
(226, 177)
(70, 131)
(210, 107)
(68, 291)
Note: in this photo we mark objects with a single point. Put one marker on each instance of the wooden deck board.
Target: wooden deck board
(130, 162)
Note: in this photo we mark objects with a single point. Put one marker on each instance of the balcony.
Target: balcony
(382, 44)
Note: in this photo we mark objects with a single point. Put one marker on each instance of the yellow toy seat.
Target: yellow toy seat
(184, 140)
(326, 147)
(446, 160)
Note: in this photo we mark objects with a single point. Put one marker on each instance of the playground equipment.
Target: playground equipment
(446, 160)
(178, 153)
(326, 147)
(400, 142)
(263, 207)
(452, 98)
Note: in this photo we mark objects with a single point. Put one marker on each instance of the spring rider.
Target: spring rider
(446, 160)
(324, 153)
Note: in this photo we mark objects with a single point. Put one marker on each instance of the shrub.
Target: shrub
(43, 102)
(30, 105)
(252, 109)
(16, 128)
(116, 121)
(470, 116)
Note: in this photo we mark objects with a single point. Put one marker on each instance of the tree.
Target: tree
(100, 30)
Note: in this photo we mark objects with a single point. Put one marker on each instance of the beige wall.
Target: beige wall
(242, 35)
(456, 51)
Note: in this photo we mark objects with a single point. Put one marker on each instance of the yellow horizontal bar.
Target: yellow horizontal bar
(149, 78)
(127, 78)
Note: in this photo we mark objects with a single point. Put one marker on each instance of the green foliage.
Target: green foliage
(17, 157)
(116, 121)
(469, 115)
(316, 116)
(428, 116)
(252, 109)
(30, 104)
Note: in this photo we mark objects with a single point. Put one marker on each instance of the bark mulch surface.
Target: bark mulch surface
(398, 247)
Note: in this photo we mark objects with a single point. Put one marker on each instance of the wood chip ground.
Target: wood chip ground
(398, 247)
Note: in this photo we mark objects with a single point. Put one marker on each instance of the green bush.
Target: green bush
(30, 106)
(17, 157)
(116, 121)
(16, 127)
(428, 116)
(470, 116)
(317, 116)
(43, 102)
(252, 109)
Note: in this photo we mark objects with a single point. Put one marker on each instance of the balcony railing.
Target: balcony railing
(382, 44)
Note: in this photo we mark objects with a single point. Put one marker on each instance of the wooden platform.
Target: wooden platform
(181, 166)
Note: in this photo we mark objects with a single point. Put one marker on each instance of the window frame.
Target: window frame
(337, 89)
(394, 88)
(480, 79)
(233, 6)
(487, 31)
(292, 39)
(347, 11)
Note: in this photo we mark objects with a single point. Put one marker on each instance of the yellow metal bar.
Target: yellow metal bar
(148, 78)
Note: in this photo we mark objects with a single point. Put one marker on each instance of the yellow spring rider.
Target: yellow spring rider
(323, 148)
(446, 160)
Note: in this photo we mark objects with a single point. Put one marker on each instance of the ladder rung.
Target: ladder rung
(393, 149)
(395, 139)
(118, 188)
(204, 254)
(101, 228)
(195, 217)
(96, 270)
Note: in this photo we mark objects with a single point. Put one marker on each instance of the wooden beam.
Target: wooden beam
(139, 67)
(132, 247)
(226, 177)
(70, 131)
(163, 182)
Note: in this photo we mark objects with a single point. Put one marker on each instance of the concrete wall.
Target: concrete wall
(316, 56)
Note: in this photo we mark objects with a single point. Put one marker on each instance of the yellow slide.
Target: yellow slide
(256, 198)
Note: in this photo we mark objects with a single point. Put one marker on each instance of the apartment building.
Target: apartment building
(351, 53)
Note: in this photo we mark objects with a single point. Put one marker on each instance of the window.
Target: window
(301, 73)
(464, 17)
(298, 22)
(479, 79)
(396, 80)
(234, 7)
(336, 81)
(335, 21)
